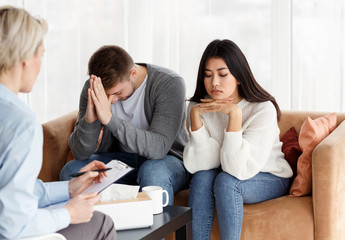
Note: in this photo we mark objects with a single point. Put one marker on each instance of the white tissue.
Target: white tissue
(117, 192)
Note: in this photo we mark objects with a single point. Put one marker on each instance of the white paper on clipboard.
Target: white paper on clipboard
(118, 170)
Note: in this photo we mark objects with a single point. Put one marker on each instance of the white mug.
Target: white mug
(156, 194)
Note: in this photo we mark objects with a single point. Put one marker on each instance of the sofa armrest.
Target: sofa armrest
(328, 173)
(55, 145)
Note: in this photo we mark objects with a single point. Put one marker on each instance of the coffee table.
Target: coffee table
(173, 219)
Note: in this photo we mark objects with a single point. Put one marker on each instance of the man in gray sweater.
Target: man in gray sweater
(134, 113)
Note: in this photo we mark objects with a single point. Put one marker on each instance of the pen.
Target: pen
(97, 170)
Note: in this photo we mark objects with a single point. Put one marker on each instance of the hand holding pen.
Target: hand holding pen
(78, 184)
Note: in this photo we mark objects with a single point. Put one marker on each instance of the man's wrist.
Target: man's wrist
(89, 120)
(108, 120)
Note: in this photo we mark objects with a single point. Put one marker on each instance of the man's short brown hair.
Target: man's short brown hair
(112, 64)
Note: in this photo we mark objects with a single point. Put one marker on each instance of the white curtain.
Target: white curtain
(318, 55)
(299, 63)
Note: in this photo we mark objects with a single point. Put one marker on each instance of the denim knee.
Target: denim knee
(70, 168)
(225, 182)
(152, 173)
(203, 180)
(75, 165)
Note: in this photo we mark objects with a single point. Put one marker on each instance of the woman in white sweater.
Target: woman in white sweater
(234, 151)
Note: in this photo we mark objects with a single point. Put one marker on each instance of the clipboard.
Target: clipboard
(118, 170)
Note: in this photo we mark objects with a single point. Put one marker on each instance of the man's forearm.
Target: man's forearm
(83, 140)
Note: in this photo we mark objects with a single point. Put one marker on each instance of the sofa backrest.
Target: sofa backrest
(291, 118)
(55, 145)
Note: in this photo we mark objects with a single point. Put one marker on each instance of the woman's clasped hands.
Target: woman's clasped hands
(225, 106)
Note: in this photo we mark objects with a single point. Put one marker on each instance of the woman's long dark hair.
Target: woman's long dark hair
(237, 63)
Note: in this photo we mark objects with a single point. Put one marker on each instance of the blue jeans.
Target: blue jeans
(169, 172)
(229, 194)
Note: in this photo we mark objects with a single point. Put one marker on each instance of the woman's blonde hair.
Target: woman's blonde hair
(20, 36)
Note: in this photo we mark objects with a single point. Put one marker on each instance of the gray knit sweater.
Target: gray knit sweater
(165, 110)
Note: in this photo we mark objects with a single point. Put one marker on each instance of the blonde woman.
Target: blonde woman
(22, 196)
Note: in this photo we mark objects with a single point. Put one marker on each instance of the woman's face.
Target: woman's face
(31, 70)
(219, 82)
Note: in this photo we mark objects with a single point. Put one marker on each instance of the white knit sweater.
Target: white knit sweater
(243, 154)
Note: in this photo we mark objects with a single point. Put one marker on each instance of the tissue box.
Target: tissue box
(127, 214)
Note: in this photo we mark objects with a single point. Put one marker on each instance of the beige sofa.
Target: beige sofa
(320, 216)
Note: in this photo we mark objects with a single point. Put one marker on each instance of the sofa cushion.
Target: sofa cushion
(311, 134)
(291, 149)
(279, 218)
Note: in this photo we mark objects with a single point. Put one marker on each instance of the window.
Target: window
(293, 47)
(318, 51)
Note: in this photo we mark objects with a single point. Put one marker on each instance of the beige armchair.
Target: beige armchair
(320, 216)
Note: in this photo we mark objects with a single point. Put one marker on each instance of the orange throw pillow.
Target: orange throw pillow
(311, 134)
